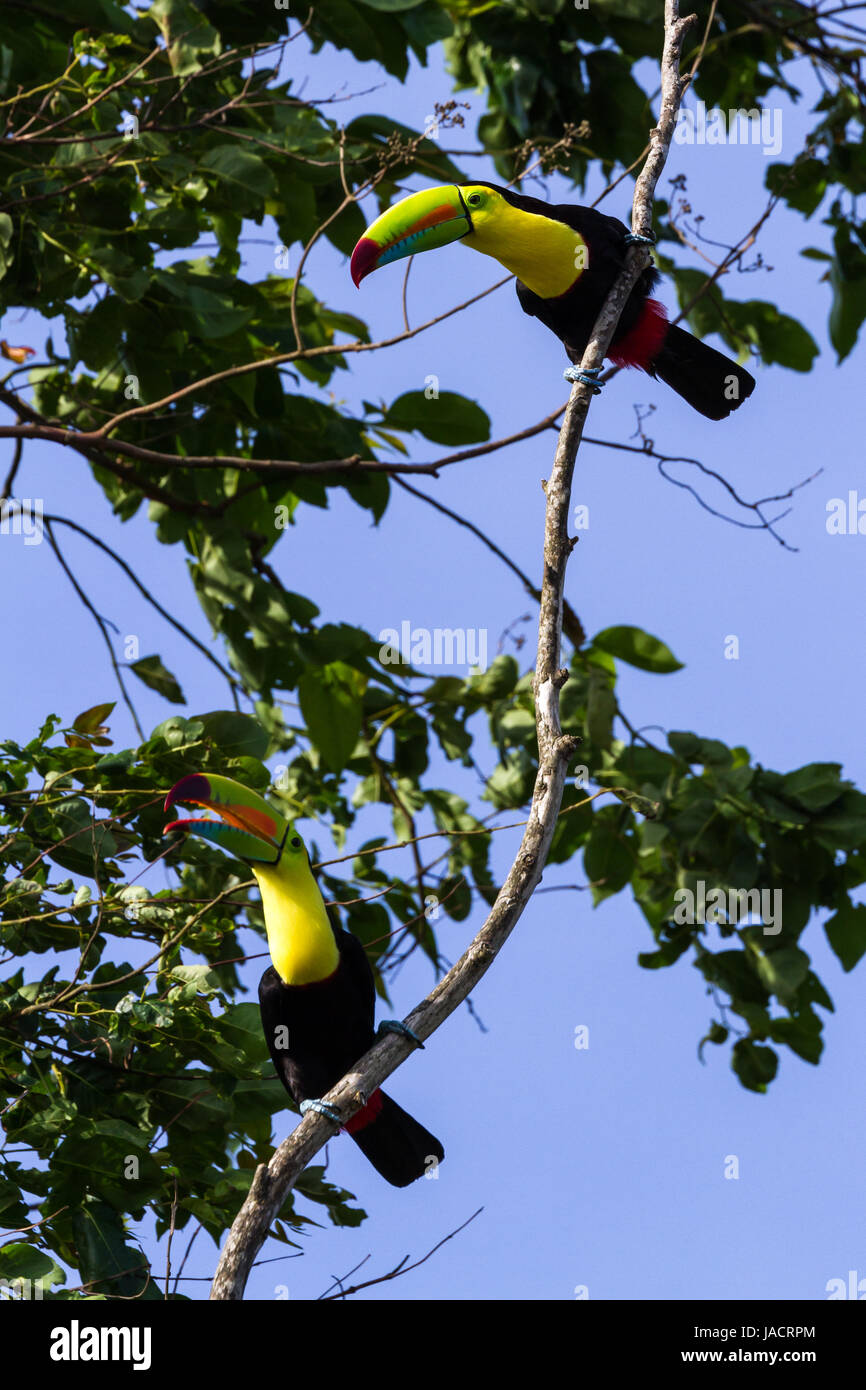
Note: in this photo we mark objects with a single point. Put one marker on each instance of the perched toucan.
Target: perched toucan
(317, 999)
(566, 259)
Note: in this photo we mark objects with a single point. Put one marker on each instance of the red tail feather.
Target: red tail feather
(372, 1110)
(642, 344)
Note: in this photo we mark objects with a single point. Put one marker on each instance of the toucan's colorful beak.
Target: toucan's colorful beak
(247, 827)
(420, 222)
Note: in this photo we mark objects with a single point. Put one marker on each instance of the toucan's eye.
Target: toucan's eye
(296, 843)
(475, 200)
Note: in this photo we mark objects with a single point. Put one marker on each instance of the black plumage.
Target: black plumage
(328, 1026)
(709, 381)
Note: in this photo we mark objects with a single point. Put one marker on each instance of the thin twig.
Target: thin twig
(101, 624)
(398, 1270)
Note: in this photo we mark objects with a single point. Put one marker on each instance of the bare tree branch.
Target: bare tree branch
(233, 684)
(101, 623)
(398, 1270)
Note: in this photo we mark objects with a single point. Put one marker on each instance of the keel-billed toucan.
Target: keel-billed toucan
(566, 259)
(317, 998)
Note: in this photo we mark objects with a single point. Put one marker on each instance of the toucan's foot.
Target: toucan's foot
(321, 1108)
(588, 378)
(393, 1025)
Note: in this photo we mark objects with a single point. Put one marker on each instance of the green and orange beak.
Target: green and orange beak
(248, 827)
(420, 222)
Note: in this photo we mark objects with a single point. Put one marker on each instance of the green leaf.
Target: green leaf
(6, 257)
(200, 978)
(511, 781)
(600, 709)
(206, 305)
(848, 281)
(331, 703)
(92, 720)
(638, 648)
(446, 418)
(18, 1260)
(497, 682)
(105, 1260)
(733, 972)
(236, 735)
(189, 37)
(802, 185)
(676, 943)
(151, 671)
(237, 164)
(119, 272)
(454, 738)
(843, 825)
(846, 933)
(777, 336)
(455, 895)
(608, 860)
(801, 1033)
(815, 786)
(783, 971)
(692, 749)
(754, 1065)
(572, 829)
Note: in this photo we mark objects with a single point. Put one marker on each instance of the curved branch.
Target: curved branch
(100, 622)
(327, 350)
(233, 684)
(13, 471)
(272, 1182)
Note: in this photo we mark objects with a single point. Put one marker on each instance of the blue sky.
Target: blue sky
(601, 1167)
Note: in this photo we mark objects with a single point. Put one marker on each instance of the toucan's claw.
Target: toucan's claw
(393, 1025)
(321, 1108)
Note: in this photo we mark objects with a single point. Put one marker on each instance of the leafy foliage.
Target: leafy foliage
(135, 1082)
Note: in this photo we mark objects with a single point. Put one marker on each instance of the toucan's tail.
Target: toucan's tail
(396, 1145)
(709, 381)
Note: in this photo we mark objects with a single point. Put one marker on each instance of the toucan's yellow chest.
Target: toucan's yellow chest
(301, 943)
(546, 255)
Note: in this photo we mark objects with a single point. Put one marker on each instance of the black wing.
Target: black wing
(356, 961)
(315, 1032)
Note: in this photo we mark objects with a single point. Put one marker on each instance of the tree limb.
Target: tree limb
(272, 1182)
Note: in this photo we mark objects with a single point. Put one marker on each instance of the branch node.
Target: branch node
(567, 746)
(260, 1185)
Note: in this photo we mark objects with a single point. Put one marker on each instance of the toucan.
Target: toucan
(317, 997)
(566, 259)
